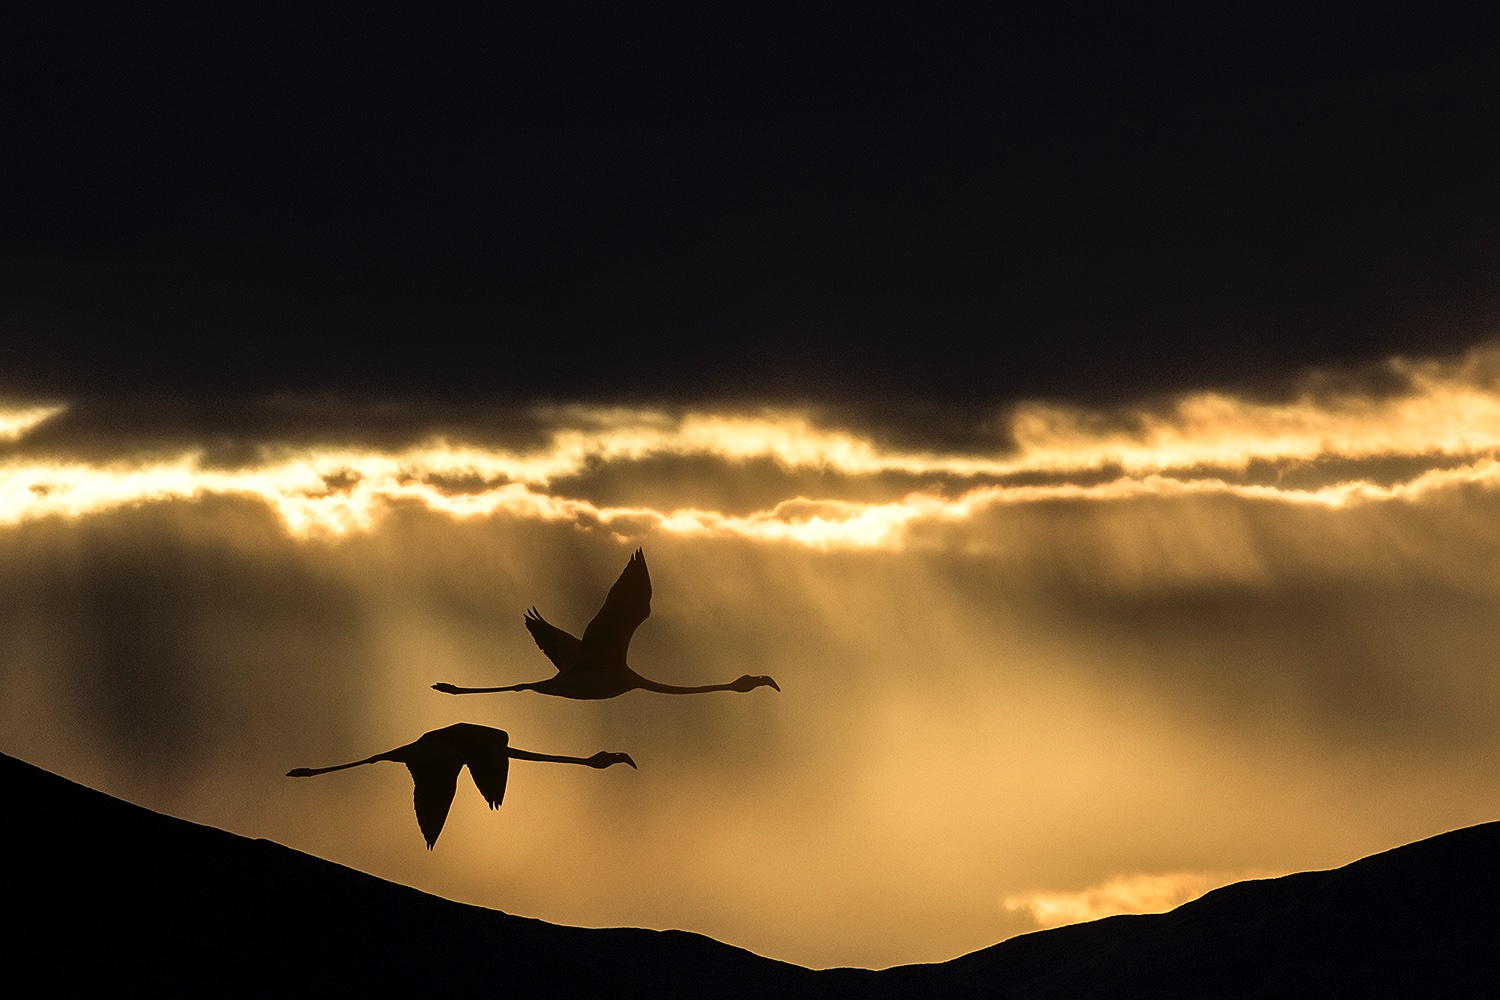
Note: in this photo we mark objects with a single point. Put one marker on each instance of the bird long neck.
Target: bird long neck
(308, 772)
(454, 689)
(519, 754)
(647, 684)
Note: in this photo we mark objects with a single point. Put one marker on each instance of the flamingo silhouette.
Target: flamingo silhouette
(435, 759)
(594, 666)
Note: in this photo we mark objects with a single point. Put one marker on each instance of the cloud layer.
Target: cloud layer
(1399, 433)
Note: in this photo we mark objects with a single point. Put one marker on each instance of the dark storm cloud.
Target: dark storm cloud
(1049, 208)
(233, 429)
(735, 488)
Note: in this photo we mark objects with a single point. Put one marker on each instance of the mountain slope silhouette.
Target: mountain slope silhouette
(105, 893)
(1420, 920)
(102, 894)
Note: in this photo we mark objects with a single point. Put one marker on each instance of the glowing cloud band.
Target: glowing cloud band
(1127, 894)
(18, 421)
(1444, 424)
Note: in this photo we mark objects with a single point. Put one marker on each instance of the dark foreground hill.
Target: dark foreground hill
(103, 896)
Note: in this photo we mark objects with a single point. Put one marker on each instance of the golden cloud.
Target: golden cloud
(16, 421)
(1439, 429)
(1140, 893)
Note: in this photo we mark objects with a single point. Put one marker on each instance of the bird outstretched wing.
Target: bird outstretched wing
(489, 764)
(433, 785)
(628, 604)
(561, 647)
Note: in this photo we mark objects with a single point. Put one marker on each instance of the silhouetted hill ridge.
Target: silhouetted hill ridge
(103, 894)
(108, 893)
(1419, 920)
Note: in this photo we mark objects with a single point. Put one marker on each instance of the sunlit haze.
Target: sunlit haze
(1071, 662)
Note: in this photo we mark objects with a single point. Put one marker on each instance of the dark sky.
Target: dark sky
(823, 207)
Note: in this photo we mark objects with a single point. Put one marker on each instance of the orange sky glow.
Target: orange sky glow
(1101, 662)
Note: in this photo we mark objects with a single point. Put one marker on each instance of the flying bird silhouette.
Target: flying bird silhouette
(435, 759)
(594, 666)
